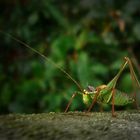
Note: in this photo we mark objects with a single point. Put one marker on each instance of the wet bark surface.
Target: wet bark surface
(71, 125)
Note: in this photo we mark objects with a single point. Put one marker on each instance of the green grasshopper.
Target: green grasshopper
(103, 94)
(107, 94)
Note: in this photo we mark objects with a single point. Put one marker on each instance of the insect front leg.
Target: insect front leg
(72, 97)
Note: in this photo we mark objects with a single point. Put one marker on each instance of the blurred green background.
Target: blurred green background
(87, 38)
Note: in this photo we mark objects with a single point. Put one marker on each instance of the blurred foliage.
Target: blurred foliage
(86, 38)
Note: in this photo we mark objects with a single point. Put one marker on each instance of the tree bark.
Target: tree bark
(71, 125)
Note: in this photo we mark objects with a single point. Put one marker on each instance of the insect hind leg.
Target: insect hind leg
(134, 80)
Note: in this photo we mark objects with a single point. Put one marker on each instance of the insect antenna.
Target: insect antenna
(45, 57)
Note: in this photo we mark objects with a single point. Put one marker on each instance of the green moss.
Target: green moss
(72, 125)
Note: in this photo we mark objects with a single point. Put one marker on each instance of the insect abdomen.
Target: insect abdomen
(120, 99)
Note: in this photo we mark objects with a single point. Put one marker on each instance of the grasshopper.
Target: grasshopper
(103, 94)
(108, 94)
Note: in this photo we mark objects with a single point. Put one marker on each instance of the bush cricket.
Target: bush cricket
(103, 94)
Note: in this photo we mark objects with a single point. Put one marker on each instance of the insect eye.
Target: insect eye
(90, 88)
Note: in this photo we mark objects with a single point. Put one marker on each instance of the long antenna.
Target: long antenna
(45, 57)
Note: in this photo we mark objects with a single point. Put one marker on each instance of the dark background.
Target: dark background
(87, 38)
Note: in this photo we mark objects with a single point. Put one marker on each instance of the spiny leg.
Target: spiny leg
(134, 79)
(132, 71)
(134, 94)
(94, 101)
(98, 89)
(113, 102)
(72, 97)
